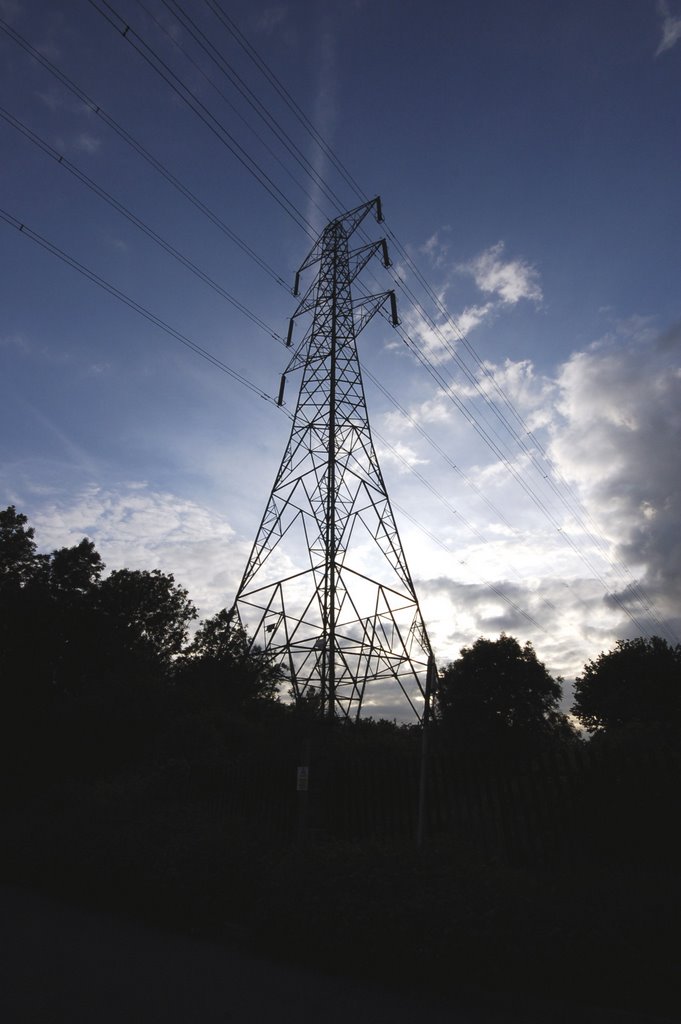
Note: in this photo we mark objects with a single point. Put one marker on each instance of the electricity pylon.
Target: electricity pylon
(326, 590)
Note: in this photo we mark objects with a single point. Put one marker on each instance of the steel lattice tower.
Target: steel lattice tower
(326, 589)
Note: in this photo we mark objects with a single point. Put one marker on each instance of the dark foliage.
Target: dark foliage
(498, 694)
(636, 686)
(151, 611)
(220, 655)
(98, 674)
(19, 563)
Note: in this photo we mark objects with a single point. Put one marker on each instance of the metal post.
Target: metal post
(423, 773)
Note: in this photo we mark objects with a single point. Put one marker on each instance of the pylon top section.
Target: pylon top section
(326, 589)
(346, 224)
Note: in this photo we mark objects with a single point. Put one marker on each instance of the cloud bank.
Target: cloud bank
(618, 442)
(135, 527)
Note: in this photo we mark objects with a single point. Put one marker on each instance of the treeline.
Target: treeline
(102, 672)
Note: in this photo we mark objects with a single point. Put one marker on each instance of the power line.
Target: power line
(261, 111)
(140, 224)
(472, 378)
(215, 126)
(576, 513)
(250, 50)
(23, 229)
(462, 561)
(141, 151)
(571, 503)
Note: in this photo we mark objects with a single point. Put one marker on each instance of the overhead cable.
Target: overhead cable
(140, 224)
(158, 166)
(23, 229)
(213, 124)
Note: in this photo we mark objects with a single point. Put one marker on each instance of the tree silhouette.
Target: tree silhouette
(220, 655)
(19, 562)
(151, 612)
(498, 693)
(76, 569)
(636, 684)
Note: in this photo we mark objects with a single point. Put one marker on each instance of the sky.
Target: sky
(527, 156)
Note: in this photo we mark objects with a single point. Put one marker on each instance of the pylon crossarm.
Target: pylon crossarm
(360, 257)
(244, 595)
(348, 224)
(307, 302)
(365, 309)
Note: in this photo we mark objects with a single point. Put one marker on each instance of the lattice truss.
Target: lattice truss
(326, 589)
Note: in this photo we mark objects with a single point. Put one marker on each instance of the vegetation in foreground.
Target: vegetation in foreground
(154, 773)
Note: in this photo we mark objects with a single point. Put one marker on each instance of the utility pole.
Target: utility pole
(326, 590)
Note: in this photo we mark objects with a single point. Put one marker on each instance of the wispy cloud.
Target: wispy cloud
(435, 248)
(324, 115)
(508, 280)
(86, 143)
(55, 99)
(27, 347)
(272, 18)
(671, 27)
(472, 316)
(402, 456)
(436, 338)
(15, 341)
(98, 369)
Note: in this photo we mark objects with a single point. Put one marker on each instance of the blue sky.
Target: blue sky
(527, 156)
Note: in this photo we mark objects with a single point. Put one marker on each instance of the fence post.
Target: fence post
(302, 784)
(423, 776)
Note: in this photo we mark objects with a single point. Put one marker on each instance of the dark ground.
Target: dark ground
(62, 963)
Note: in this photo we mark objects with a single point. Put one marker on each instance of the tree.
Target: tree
(76, 569)
(498, 693)
(221, 656)
(636, 684)
(19, 562)
(151, 611)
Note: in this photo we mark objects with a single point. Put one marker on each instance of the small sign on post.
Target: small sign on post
(302, 778)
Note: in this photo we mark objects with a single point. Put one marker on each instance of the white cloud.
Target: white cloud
(437, 339)
(671, 28)
(473, 316)
(135, 527)
(529, 393)
(402, 456)
(508, 280)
